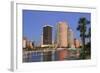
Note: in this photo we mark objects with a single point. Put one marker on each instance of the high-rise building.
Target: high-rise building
(70, 38)
(47, 35)
(61, 34)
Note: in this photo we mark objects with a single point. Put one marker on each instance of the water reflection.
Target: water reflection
(51, 55)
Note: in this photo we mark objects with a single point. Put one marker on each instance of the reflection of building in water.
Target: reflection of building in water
(47, 56)
(51, 55)
(71, 38)
(61, 34)
(63, 54)
(77, 43)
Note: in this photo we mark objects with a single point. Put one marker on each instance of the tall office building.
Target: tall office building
(70, 38)
(61, 35)
(47, 35)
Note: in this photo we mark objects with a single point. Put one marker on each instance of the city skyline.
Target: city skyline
(34, 20)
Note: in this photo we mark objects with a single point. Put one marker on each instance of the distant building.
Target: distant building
(29, 45)
(61, 34)
(24, 41)
(47, 35)
(77, 43)
(41, 40)
(71, 38)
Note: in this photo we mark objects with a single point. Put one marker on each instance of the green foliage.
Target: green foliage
(82, 28)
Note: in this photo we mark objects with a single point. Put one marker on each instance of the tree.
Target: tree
(88, 45)
(89, 34)
(82, 27)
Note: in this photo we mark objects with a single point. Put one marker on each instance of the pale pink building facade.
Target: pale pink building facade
(62, 38)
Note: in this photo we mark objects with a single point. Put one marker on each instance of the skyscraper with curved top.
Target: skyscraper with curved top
(61, 36)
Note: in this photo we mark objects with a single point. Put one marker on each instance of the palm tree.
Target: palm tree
(89, 34)
(83, 28)
(88, 45)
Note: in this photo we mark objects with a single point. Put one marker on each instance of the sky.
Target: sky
(34, 20)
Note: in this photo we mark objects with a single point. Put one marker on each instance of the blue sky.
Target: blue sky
(34, 20)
